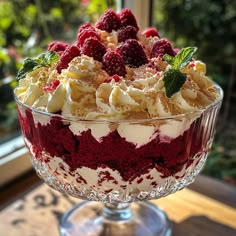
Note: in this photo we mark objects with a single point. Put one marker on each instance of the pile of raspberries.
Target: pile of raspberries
(128, 52)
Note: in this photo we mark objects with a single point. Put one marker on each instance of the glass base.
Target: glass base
(93, 219)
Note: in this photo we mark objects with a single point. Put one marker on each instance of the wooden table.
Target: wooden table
(192, 213)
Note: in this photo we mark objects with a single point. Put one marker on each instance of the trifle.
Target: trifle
(118, 116)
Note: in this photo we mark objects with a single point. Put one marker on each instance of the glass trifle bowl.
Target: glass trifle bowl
(116, 166)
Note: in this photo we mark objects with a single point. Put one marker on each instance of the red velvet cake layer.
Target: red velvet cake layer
(113, 151)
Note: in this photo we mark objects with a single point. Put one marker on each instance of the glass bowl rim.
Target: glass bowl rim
(78, 119)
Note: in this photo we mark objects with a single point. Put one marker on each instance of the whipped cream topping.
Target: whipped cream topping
(84, 91)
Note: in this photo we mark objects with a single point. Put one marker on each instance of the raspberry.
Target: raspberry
(128, 32)
(115, 77)
(151, 32)
(113, 64)
(133, 54)
(70, 52)
(108, 21)
(162, 47)
(92, 47)
(86, 33)
(127, 18)
(52, 86)
(57, 46)
(85, 26)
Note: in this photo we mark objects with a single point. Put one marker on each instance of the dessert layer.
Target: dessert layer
(113, 151)
(105, 180)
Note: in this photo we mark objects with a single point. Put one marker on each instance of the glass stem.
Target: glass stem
(117, 211)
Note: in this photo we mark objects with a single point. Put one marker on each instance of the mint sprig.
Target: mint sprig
(173, 77)
(173, 81)
(44, 59)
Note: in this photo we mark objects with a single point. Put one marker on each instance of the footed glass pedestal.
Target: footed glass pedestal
(92, 218)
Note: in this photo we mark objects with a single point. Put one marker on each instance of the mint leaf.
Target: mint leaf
(173, 81)
(183, 57)
(44, 59)
(28, 66)
(48, 58)
(174, 78)
(169, 59)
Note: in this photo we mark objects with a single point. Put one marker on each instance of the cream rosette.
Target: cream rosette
(118, 98)
(30, 89)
